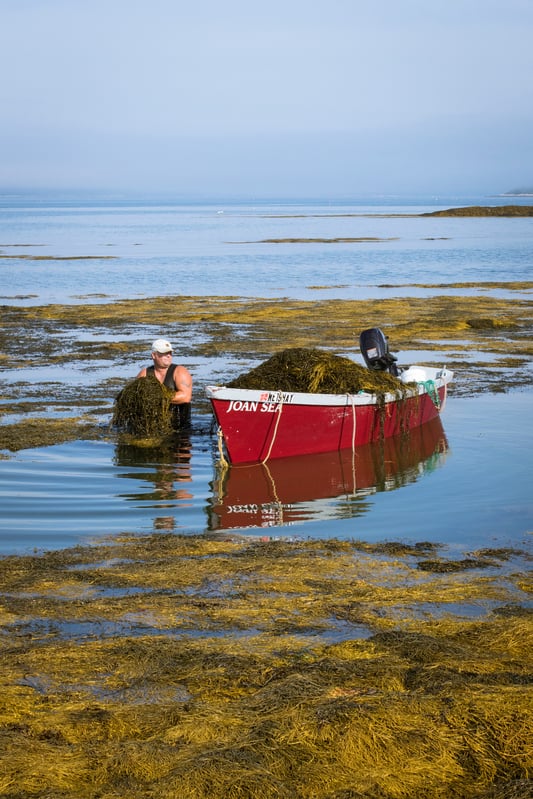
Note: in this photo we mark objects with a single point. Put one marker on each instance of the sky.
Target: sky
(285, 98)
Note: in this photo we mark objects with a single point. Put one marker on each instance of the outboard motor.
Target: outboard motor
(375, 348)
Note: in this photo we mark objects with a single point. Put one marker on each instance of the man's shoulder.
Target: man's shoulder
(179, 368)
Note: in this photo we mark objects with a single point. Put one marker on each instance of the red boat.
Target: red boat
(259, 425)
(286, 491)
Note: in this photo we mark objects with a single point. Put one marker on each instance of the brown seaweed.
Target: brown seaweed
(315, 371)
(213, 667)
(142, 408)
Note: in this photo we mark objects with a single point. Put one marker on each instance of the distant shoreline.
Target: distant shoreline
(485, 210)
(466, 211)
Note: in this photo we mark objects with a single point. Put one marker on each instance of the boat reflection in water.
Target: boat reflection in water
(330, 485)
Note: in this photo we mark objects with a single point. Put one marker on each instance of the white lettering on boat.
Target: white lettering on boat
(248, 405)
(271, 402)
(270, 407)
(242, 405)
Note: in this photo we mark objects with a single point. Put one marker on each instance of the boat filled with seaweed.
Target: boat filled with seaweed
(304, 401)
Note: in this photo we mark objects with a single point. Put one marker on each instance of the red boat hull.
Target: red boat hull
(257, 426)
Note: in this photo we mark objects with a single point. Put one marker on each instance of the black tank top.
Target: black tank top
(181, 412)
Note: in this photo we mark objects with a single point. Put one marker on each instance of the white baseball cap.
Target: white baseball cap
(161, 345)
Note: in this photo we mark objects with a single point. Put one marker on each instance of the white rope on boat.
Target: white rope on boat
(445, 394)
(352, 400)
(354, 477)
(278, 412)
(444, 397)
(220, 439)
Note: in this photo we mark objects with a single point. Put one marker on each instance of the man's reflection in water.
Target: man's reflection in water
(167, 523)
(168, 468)
(167, 475)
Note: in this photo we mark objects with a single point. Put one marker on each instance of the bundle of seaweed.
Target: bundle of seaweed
(143, 408)
(314, 371)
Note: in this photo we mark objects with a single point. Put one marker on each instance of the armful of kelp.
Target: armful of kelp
(144, 409)
(305, 401)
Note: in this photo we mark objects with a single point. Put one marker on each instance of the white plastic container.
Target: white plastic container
(415, 374)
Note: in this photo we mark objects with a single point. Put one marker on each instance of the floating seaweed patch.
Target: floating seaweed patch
(490, 323)
(454, 565)
(142, 408)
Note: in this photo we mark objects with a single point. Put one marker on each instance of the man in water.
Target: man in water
(175, 377)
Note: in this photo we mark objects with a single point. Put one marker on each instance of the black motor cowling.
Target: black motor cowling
(375, 349)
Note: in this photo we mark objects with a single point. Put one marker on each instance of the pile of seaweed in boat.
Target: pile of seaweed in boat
(143, 409)
(315, 371)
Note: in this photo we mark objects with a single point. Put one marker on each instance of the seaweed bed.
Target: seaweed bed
(227, 668)
(241, 332)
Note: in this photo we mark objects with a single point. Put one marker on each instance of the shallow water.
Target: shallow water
(466, 484)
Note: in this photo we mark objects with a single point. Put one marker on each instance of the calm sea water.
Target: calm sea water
(125, 249)
(466, 485)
